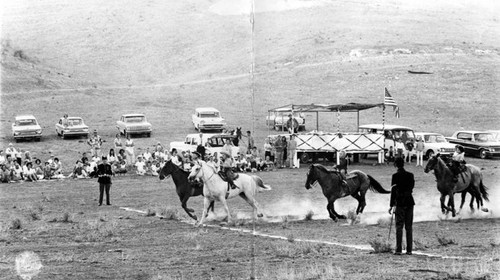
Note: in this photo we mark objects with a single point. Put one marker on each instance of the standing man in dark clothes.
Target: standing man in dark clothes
(104, 173)
(201, 148)
(402, 199)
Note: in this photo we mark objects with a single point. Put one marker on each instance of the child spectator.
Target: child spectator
(269, 164)
(241, 163)
(147, 155)
(121, 168)
(78, 171)
(261, 165)
(47, 172)
(112, 157)
(140, 166)
(5, 174)
(56, 169)
(155, 168)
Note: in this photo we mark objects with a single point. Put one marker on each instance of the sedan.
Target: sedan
(72, 127)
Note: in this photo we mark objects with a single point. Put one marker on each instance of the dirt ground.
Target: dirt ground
(100, 60)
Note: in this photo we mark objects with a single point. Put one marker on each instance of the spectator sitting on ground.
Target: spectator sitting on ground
(5, 174)
(2, 157)
(269, 164)
(147, 155)
(56, 169)
(38, 168)
(17, 172)
(241, 163)
(112, 158)
(47, 172)
(140, 166)
(261, 165)
(78, 171)
(84, 157)
(29, 173)
(155, 168)
(121, 168)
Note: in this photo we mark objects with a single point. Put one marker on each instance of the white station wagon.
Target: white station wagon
(26, 127)
(208, 118)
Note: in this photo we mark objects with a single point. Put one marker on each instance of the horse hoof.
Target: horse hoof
(195, 218)
(260, 215)
(342, 217)
(484, 209)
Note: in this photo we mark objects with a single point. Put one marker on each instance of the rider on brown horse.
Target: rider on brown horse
(457, 162)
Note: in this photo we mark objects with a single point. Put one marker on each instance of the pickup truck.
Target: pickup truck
(212, 142)
(207, 118)
(26, 127)
(476, 143)
(134, 124)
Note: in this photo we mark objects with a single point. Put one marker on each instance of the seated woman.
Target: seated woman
(30, 173)
(78, 171)
(38, 168)
(112, 158)
(121, 168)
(17, 172)
(5, 174)
(56, 169)
(47, 171)
(155, 168)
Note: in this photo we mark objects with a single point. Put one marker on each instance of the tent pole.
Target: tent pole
(317, 121)
(357, 128)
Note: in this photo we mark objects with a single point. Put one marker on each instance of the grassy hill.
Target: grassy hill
(164, 58)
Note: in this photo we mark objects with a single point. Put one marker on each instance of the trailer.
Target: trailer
(314, 145)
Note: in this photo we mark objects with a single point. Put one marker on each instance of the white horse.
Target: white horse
(214, 188)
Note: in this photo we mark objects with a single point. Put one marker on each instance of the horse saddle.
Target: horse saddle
(223, 176)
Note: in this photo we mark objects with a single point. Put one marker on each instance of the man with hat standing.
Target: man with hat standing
(292, 124)
(402, 200)
(104, 173)
(227, 168)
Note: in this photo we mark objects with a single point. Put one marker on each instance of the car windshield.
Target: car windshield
(435, 139)
(217, 141)
(484, 137)
(135, 119)
(209, 115)
(72, 122)
(26, 122)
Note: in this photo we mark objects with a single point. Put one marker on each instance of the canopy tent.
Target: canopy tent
(329, 108)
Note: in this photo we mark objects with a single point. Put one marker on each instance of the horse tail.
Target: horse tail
(484, 190)
(260, 183)
(376, 186)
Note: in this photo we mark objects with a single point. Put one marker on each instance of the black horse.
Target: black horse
(185, 189)
(333, 188)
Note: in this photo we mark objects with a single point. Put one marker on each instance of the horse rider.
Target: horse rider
(227, 168)
(457, 161)
(342, 166)
(402, 204)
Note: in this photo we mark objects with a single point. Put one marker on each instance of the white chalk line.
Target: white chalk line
(358, 247)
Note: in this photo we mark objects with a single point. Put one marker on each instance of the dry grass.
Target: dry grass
(150, 213)
(445, 240)
(380, 245)
(288, 271)
(309, 215)
(15, 224)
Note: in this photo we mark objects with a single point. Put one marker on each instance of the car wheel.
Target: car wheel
(483, 154)
(430, 154)
(304, 158)
(149, 134)
(37, 139)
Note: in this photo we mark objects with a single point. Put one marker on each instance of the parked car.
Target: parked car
(476, 143)
(278, 120)
(435, 143)
(130, 124)
(391, 132)
(496, 134)
(26, 127)
(74, 127)
(208, 118)
(212, 142)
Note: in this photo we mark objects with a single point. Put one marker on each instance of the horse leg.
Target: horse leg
(189, 211)
(331, 210)
(443, 206)
(253, 203)
(359, 209)
(451, 203)
(222, 199)
(211, 207)
(463, 201)
(362, 201)
(206, 204)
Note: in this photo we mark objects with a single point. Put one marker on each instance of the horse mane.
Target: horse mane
(321, 167)
(175, 166)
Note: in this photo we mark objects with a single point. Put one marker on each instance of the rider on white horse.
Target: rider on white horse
(227, 168)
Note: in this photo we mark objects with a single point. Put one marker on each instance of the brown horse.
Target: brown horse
(185, 189)
(470, 181)
(333, 187)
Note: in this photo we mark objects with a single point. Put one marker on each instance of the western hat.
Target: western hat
(196, 153)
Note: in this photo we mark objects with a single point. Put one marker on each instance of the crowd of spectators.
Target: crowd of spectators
(17, 165)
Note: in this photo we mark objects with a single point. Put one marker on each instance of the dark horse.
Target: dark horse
(185, 189)
(470, 181)
(333, 187)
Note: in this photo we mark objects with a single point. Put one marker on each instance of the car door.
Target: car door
(465, 140)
